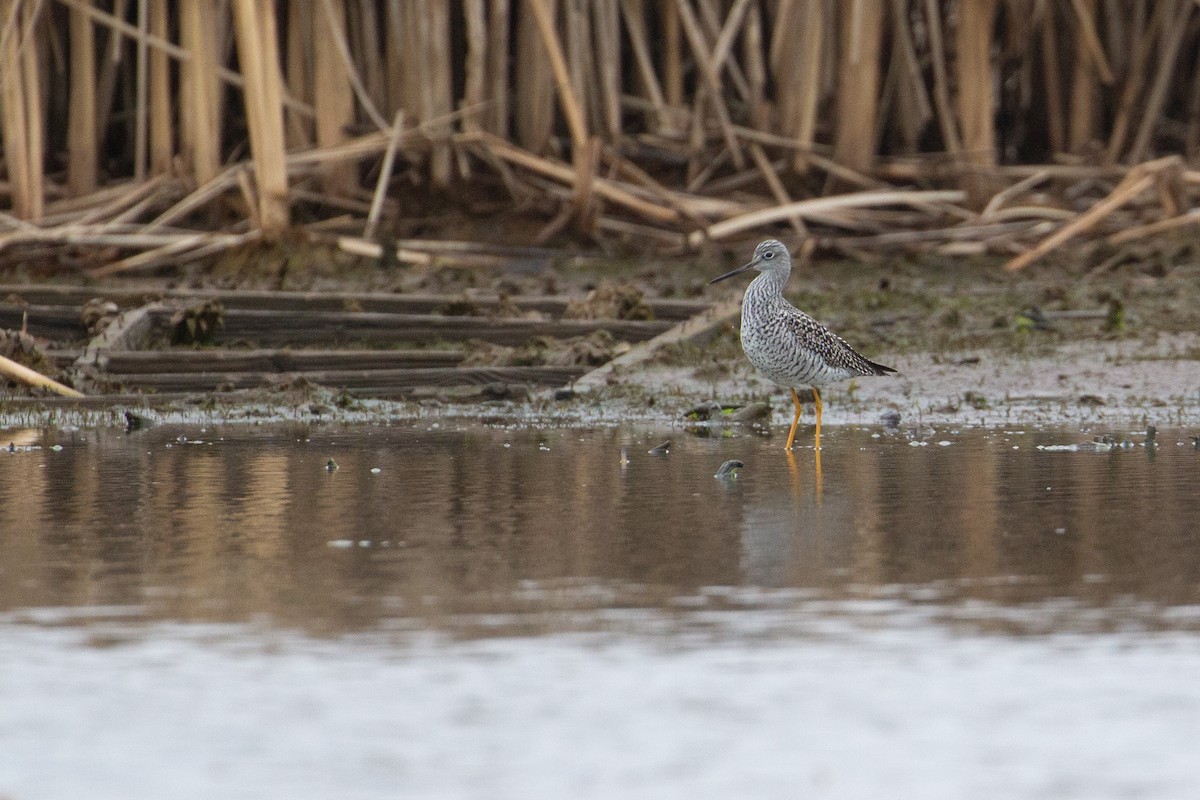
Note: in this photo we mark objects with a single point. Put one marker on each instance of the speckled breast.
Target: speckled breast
(784, 360)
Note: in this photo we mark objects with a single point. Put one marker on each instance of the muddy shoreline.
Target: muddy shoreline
(973, 346)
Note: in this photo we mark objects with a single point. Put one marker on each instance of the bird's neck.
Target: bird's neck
(766, 288)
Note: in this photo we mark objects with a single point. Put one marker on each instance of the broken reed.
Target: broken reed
(682, 94)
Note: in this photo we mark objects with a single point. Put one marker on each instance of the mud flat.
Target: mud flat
(973, 345)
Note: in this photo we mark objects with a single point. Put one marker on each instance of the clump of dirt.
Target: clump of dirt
(25, 350)
(611, 301)
(504, 308)
(197, 324)
(98, 314)
(598, 347)
(461, 306)
(295, 262)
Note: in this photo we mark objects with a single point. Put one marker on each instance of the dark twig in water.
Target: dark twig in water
(728, 470)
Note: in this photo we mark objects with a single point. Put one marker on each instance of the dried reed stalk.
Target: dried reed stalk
(803, 208)
(712, 80)
(1085, 13)
(200, 123)
(858, 84)
(581, 148)
(941, 79)
(112, 64)
(534, 108)
(20, 108)
(363, 43)
(1168, 53)
(1187, 219)
(914, 110)
(1051, 70)
(1083, 117)
(385, 173)
(82, 136)
(23, 374)
(704, 74)
(753, 43)
(606, 28)
(439, 102)
(301, 130)
(497, 111)
(162, 126)
(332, 97)
(565, 175)
(776, 186)
(632, 11)
(475, 67)
(974, 78)
(796, 64)
(1138, 180)
(258, 52)
(337, 35)
(141, 113)
(184, 247)
(1129, 104)
(672, 53)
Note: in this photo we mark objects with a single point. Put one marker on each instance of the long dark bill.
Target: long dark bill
(737, 271)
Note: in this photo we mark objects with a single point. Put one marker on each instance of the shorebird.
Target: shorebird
(787, 345)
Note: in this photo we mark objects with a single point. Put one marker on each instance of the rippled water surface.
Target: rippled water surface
(400, 611)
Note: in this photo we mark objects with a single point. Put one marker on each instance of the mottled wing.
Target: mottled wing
(837, 354)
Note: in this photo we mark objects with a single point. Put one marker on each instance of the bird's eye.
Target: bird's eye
(769, 254)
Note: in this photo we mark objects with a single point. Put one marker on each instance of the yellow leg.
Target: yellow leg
(795, 420)
(817, 401)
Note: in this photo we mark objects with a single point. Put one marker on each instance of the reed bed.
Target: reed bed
(140, 133)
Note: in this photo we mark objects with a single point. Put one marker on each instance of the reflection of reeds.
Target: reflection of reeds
(708, 109)
(460, 522)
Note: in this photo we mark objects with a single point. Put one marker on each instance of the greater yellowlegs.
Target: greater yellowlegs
(787, 345)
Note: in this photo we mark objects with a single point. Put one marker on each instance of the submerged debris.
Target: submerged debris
(136, 422)
(751, 412)
(713, 411)
(728, 470)
(705, 411)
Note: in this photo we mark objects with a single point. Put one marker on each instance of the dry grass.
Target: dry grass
(657, 123)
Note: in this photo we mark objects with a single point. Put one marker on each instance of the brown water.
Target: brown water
(524, 529)
(195, 613)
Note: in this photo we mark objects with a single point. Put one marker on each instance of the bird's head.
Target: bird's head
(769, 256)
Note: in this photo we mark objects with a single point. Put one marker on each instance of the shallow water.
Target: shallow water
(430, 526)
(509, 612)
